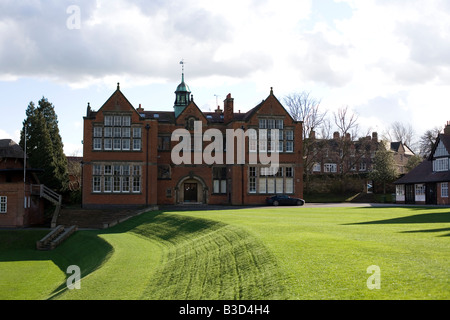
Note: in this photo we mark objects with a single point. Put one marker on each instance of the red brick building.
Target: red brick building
(20, 201)
(127, 154)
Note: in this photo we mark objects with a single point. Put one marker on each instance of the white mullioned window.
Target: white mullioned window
(444, 190)
(3, 204)
(441, 164)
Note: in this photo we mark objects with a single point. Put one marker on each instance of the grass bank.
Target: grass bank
(271, 253)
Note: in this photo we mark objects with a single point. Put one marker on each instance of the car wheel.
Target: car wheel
(300, 203)
(275, 203)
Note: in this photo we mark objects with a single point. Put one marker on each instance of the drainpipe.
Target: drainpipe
(147, 127)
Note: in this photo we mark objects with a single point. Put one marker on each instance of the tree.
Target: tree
(413, 162)
(384, 168)
(44, 145)
(346, 122)
(400, 132)
(427, 141)
(303, 107)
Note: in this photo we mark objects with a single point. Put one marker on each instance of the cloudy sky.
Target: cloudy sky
(388, 60)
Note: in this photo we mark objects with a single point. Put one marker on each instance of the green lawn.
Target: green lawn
(274, 253)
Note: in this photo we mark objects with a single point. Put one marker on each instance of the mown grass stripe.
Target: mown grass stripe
(211, 261)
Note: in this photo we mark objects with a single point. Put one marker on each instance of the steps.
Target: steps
(364, 198)
(50, 195)
(55, 238)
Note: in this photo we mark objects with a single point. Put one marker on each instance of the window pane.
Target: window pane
(126, 132)
(97, 144)
(108, 133)
(126, 121)
(98, 132)
(289, 185)
(223, 186)
(263, 124)
(271, 185)
(137, 144)
(289, 135)
(137, 132)
(126, 144)
(216, 186)
(108, 184)
(126, 184)
(3, 204)
(108, 121)
(279, 183)
(116, 184)
(108, 144)
(108, 170)
(262, 185)
(289, 146)
(252, 185)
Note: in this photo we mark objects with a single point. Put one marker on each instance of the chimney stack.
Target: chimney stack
(375, 136)
(447, 129)
(228, 109)
(336, 135)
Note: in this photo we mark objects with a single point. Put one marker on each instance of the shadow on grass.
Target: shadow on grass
(253, 269)
(425, 218)
(84, 248)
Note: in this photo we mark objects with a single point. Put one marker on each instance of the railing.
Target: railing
(47, 193)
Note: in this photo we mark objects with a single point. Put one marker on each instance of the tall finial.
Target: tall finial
(182, 69)
(118, 86)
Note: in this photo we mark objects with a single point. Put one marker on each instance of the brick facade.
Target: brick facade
(127, 156)
(19, 206)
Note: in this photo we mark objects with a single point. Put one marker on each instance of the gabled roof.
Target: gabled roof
(190, 106)
(423, 173)
(115, 93)
(10, 149)
(445, 139)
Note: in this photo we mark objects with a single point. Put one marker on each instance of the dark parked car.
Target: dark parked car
(284, 200)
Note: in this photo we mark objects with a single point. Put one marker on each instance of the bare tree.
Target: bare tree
(346, 121)
(303, 107)
(400, 132)
(427, 141)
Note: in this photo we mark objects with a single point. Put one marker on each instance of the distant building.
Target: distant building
(428, 182)
(74, 170)
(127, 154)
(341, 155)
(20, 201)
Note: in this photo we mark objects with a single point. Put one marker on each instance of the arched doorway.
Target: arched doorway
(191, 190)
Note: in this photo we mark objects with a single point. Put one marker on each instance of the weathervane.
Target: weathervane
(182, 64)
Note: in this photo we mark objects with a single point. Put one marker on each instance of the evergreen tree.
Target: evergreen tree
(60, 160)
(44, 145)
(384, 169)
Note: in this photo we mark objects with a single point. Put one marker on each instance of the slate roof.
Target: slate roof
(423, 173)
(10, 149)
